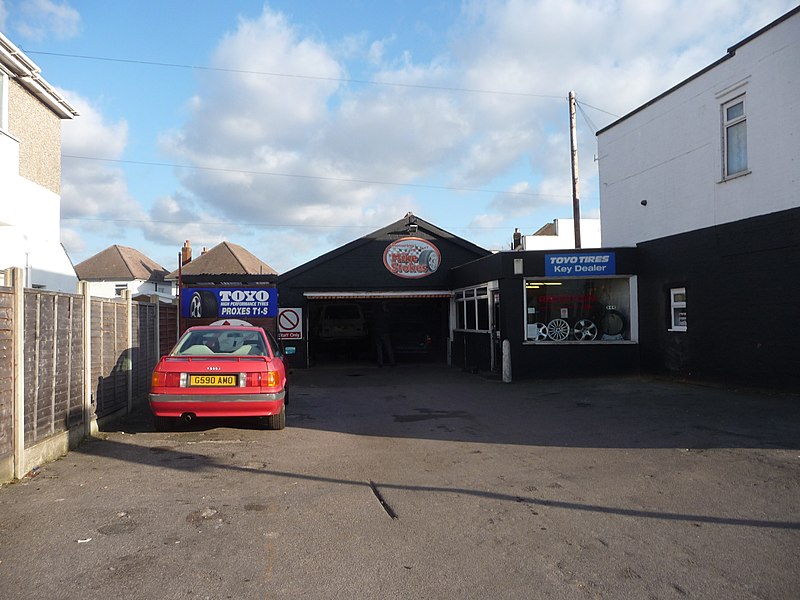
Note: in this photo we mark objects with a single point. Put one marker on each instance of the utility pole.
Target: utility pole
(573, 142)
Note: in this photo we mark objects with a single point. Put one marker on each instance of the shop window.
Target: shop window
(472, 309)
(677, 303)
(577, 310)
(734, 134)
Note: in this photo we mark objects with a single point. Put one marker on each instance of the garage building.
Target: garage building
(397, 277)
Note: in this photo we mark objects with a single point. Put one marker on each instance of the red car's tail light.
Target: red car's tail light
(163, 379)
(258, 379)
(272, 379)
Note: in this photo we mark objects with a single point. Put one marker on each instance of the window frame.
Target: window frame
(675, 307)
(727, 125)
(468, 303)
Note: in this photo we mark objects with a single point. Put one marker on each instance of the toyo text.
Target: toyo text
(593, 263)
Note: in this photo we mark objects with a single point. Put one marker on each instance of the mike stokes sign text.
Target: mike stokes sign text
(412, 258)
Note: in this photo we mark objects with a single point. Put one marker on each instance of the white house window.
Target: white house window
(119, 289)
(677, 301)
(734, 133)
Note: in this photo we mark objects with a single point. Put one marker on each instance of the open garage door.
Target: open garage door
(342, 327)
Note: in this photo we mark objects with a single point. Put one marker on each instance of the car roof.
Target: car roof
(223, 327)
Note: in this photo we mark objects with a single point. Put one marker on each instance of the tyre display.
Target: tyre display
(612, 323)
(539, 332)
(584, 330)
(558, 330)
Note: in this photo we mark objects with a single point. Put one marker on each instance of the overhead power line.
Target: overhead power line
(256, 224)
(294, 76)
(313, 177)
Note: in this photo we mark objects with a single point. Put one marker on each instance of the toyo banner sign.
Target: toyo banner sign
(579, 264)
(200, 303)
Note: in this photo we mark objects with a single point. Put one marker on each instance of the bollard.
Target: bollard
(506, 361)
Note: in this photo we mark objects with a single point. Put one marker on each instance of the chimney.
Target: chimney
(186, 253)
(205, 249)
(517, 243)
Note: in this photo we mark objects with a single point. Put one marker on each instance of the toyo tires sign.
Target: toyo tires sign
(412, 258)
(229, 302)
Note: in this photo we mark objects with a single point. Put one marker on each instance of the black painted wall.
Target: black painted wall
(743, 302)
(541, 361)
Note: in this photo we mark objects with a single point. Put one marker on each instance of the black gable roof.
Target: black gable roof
(334, 268)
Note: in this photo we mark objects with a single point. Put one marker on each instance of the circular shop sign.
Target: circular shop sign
(411, 257)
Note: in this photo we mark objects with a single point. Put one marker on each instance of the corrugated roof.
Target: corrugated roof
(225, 259)
(119, 263)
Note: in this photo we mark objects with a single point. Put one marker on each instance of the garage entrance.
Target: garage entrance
(402, 272)
(343, 329)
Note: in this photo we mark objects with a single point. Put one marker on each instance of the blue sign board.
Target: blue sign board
(235, 303)
(579, 264)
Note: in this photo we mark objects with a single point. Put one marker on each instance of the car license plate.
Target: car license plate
(213, 380)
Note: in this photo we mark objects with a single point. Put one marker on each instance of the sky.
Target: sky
(292, 127)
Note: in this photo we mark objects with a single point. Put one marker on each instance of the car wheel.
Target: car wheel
(202, 304)
(276, 422)
(163, 423)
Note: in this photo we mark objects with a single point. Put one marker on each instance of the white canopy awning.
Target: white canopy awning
(378, 295)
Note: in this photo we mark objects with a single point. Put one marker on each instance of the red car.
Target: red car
(220, 371)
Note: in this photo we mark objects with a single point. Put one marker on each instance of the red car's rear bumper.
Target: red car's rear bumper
(207, 405)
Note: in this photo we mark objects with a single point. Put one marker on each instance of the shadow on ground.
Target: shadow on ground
(440, 403)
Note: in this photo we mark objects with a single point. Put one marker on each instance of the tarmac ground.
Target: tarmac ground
(426, 482)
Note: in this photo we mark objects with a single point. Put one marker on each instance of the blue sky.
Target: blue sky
(292, 127)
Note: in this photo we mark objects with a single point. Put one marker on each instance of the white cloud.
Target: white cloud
(37, 19)
(93, 189)
(283, 141)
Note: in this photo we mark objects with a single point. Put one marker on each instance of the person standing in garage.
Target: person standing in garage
(381, 334)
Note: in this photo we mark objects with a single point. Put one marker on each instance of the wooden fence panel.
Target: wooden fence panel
(110, 359)
(6, 373)
(167, 327)
(143, 350)
(53, 363)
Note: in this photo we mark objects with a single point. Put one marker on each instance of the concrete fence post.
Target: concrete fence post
(18, 285)
(506, 361)
(157, 325)
(129, 348)
(87, 359)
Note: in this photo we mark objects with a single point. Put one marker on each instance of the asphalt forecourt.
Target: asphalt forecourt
(426, 482)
